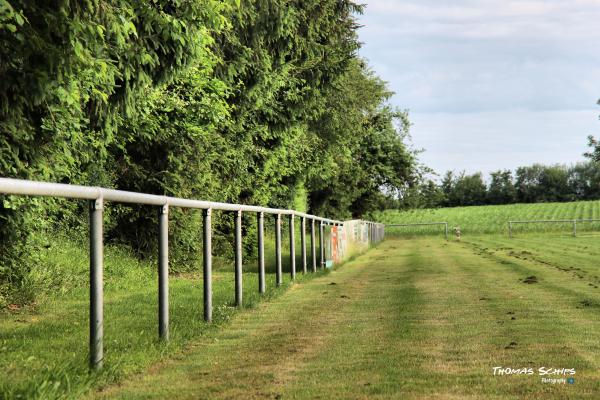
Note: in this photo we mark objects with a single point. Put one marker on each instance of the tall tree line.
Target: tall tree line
(536, 183)
(261, 101)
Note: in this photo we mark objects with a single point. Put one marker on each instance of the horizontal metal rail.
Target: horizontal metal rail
(46, 189)
(97, 197)
(423, 224)
(419, 224)
(551, 221)
(541, 221)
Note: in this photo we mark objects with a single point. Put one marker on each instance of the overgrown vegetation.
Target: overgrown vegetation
(259, 101)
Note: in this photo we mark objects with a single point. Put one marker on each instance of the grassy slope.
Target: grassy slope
(411, 319)
(43, 347)
(493, 219)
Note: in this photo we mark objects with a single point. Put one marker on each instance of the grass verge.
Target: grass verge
(44, 346)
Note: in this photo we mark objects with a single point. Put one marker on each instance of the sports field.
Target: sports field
(412, 318)
(417, 318)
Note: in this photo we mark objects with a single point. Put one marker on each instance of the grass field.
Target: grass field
(413, 318)
(44, 346)
(419, 318)
(494, 219)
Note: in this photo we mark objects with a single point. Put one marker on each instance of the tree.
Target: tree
(71, 73)
(527, 183)
(463, 189)
(554, 184)
(468, 190)
(501, 189)
(584, 180)
(361, 158)
(424, 194)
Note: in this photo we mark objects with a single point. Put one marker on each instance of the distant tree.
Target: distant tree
(446, 186)
(594, 152)
(470, 190)
(584, 180)
(542, 183)
(528, 183)
(554, 184)
(425, 194)
(502, 189)
(464, 190)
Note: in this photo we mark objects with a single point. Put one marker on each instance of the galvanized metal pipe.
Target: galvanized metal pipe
(34, 188)
(98, 196)
(551, 221)
(322, 243)
(303, 244)
(238, 259)
(207, 272)
(163, 273)
(278, 269)
(313, 246)
(96, 208)
(261, 252)
(292, 247)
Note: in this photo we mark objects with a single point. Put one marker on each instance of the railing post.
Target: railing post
(574, 228)
(96, 284)
(261, 252)
(322, 243)
(337, 241)
(238, 259)
(509, 230)
(278, 272)
(446, 230)
(372, 238)
(207, 272)
(292, 247)
(313, 245)
(163, 272)
(303, 243)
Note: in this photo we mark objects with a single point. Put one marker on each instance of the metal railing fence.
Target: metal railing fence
(97, 197)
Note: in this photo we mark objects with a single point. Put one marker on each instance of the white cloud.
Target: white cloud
(486, 55)
(474, 58)
(489, 141)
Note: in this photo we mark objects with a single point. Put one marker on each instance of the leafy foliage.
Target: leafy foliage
(536, 183)
(263, 102)
(362, 159)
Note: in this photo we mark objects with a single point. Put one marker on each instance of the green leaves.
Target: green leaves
(261, 101)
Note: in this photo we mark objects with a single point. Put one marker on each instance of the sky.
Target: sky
(490, 84)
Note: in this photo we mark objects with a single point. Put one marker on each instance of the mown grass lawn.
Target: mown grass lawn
(418, 318)
(44, 346)
(413, 318)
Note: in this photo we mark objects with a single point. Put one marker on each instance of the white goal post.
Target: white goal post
(423, 224)
(551, 221)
